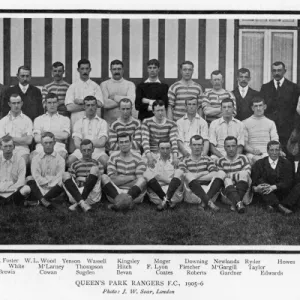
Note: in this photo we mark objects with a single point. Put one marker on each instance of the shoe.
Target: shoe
(284, 210)
(232, 208)
(172, 204)
(240, 207)
(46, 203)
(162, 205)
(212, 206)
(85, 207)
(270, 209)
(73, 207)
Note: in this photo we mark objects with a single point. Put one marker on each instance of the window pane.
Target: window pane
(282, 50)
(253, 56)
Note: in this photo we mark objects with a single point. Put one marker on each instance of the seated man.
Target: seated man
(272, 179)
(12, 174)
(125, 171)
(225, 126)
(234, 172)
(83, 181)
(189, 125)
(18, 126)
(125, 124)
(159, 179)
(47, 168)
(93, 128)
(54, 122)
(258, 131)
(155, 129)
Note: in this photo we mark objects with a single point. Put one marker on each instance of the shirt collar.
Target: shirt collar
(11, 116)
(56, 114)
(23, 87)
(281, 82)
(243, 88)
(85, 82)
(271, 161)
(6, 160)
(223, 121)
(53, 154)
(196, 117)
(117, 81)
(149, 81)
(96, 117)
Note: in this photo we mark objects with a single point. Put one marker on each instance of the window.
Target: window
(259, 48)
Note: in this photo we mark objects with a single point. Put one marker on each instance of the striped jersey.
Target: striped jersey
(60, 89)
(177, 94)
(117, 165)
(232, 166)
(133, 128)
(81, 168)
(152, 132)
(213, 99)
(205, 163)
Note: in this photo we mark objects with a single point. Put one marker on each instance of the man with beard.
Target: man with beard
(115, 89)
(30, 95)
(243, 95)
(281, 96)
(58, 87)
(212, 99)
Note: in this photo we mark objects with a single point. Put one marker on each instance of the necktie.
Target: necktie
(24, 89)
(273, 165)
(243, 93)
(278, 88)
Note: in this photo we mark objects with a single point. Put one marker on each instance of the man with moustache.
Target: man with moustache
(281, 96)
(243, 95)
(58, 87)
(30, 95)
(181, 90)
(115, 89)
(150, 90)
(80, 89)
(212, 99)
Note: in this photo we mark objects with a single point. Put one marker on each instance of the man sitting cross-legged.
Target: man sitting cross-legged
(83, 181)
(12, 174)
(124, 173)
(164, 178)
(47, 168)
(234, 173)
(93, 128)
(54, 122)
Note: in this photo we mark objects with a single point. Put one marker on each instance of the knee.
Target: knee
(29, 178)
(94, 171)
(105, 179)
(66, 176)
(221, 174)
(178, 174)
(244, 175)
(189, 177)
(141, 182)
(148, 175)
(25, 190)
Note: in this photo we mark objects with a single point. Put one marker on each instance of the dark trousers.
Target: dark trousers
(274, 198)
(16, 198)
(293, 197)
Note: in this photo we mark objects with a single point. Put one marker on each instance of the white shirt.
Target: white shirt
(243, 90)
(24, 88)
(280, 82)
(80, 89)
(149, 81)
(273, 163)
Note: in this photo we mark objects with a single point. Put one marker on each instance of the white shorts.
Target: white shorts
(98, 152)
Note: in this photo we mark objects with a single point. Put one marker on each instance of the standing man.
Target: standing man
(259, 130)
(18, 126)
(12, 174)
(272, 179)
(58, 87)
(243, 95)
(54, 122)
(158, 128)
(125, 124)
(189, 125)
(91, 127)
(181, 90)
(115, 89)
(79, 90)
(212, 99)
(223, 127)
(150, 90)
(31, 96)
(281, 96)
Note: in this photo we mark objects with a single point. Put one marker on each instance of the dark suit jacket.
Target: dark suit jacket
(243, 105)
(32, 101)
(282, 176)
(2, 91)
(281, 108)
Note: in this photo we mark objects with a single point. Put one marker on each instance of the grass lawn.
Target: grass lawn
(184, 225)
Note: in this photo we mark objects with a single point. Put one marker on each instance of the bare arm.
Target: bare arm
(77, 142)
(205, 148)
(24, 140)
(72, 107)
(214, 151)
(100, 143)
(170, 113)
